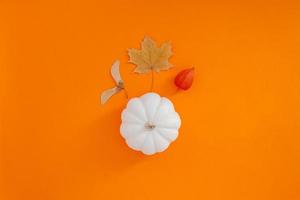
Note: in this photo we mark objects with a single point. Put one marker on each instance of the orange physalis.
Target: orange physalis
(184, 79)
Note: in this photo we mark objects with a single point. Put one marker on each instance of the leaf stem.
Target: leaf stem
(152, 80)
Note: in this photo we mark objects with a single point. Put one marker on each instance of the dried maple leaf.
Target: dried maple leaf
(150, 57)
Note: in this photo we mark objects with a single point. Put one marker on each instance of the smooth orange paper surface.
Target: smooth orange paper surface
(240, 134)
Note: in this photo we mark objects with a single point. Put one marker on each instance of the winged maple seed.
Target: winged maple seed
(150, 57)
(119, 83)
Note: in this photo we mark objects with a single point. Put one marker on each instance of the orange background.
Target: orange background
(240, 120)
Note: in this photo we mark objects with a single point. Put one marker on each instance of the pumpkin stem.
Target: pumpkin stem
(149, 125)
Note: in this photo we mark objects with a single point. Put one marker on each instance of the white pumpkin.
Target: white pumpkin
(149, 123)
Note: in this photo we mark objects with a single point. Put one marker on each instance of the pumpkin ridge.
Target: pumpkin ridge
(163, 136)
(133, 136)
(166, 127)
(145, 109)
(169, 133)
(148, 137)
(138, 147)
(154, 142)
(136, 107)
(170, 110)
(154, 116)
(171, 120)
(133, 123)
(134, 116)
(143, 100)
